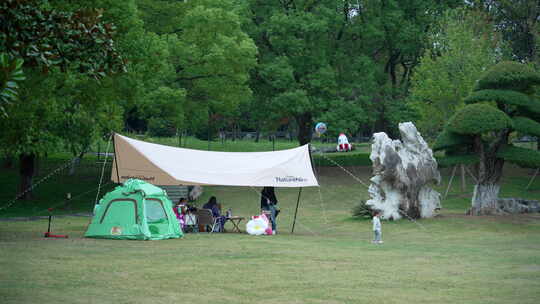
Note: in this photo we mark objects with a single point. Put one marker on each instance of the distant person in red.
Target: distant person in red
(343, 143)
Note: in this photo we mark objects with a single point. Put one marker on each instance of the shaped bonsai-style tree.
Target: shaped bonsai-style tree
(501, 103)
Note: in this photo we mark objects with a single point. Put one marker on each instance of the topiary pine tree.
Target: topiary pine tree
(502, 102)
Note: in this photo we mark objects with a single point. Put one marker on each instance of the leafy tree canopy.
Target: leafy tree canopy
(47, 37)
(11, 74)
(462, 47)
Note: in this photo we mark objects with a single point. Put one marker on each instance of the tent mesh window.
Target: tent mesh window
(120, 210)
(155, 213)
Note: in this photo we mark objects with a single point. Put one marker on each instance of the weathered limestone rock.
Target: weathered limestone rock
(517, 205)
(404, 170)
(512, 205)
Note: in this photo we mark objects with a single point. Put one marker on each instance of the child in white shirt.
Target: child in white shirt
(377, 228)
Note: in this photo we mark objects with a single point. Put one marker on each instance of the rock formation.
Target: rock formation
(404, 170)
(516, 206)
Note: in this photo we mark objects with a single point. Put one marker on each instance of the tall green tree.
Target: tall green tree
(397, 34)
(146, 55)
(51, 42)
(519, 23)
(212, 62)
(165, 111)
(463, 47)
(85, 105)
(319, 59)
(501, 103)
(306, 62)
(209, 51)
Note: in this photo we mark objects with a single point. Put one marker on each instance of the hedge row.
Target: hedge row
(362, 159)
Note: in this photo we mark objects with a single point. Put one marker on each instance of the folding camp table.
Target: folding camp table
(235, 220)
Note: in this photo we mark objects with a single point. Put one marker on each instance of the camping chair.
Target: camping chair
(190, 222)
(206, 219)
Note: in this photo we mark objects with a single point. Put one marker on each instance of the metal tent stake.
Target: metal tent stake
(48, 233)
(49, 228)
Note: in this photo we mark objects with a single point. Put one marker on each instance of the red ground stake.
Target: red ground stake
(48, 233)
(55, 235)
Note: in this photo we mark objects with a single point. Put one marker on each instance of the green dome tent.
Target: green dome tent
(135, 211)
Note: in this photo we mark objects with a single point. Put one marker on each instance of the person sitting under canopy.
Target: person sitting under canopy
(213, 205)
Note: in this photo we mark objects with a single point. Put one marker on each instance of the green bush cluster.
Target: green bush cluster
(478, 119)
(509, 75)
(361, 210)
(362, 159)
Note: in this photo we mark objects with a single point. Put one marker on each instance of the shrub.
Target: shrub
(502, 97)
(478, 119)
(523, 157)
(448, 139)
(526, 126)
(508, 75)
(361, 210)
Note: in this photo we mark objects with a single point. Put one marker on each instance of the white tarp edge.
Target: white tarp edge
(165, 165)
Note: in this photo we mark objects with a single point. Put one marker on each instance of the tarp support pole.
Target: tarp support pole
(115, 159)
(296, 211)
(315, 172)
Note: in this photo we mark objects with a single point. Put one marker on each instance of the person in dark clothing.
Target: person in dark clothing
(191, 208)
(216, 213)
(269, 204)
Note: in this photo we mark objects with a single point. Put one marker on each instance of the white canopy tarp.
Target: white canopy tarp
(165, 165)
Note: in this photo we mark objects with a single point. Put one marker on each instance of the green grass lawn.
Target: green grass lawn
(329, 259)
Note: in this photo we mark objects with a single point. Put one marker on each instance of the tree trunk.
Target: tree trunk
(26, 170)
(304, 122)
(486, 191)
(484, 201)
